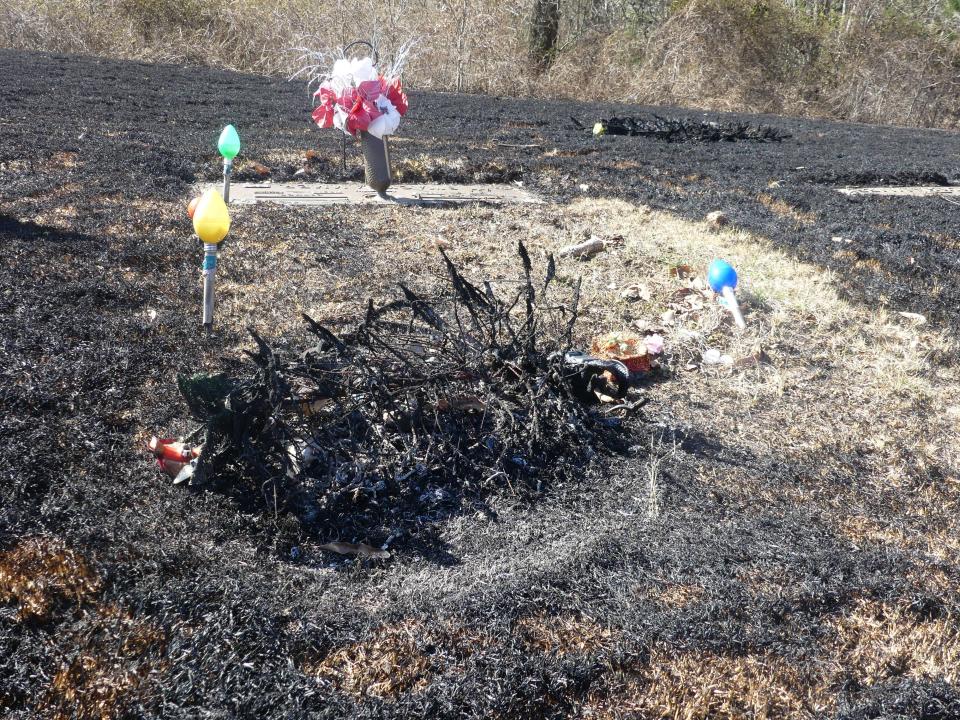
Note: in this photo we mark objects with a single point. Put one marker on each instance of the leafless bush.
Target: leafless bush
(728, 55)
(895, 72)
(877, 62)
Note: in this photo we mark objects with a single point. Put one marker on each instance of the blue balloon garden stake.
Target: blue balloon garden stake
(723, 279)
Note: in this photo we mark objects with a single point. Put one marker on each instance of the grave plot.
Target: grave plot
(780, 541)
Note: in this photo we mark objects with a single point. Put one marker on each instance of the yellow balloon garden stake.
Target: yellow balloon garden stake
(211, 221)
(229, 146)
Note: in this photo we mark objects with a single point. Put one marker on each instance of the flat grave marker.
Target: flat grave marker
(904, 191)
(318, 194)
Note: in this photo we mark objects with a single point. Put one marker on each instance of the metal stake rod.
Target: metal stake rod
(227, 169)
(209, 275)
(733, 306)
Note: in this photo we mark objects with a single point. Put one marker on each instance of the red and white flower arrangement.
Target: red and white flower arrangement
(354, 97)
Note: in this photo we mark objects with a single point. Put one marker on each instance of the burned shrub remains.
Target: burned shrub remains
(428, 404)
(676, 130)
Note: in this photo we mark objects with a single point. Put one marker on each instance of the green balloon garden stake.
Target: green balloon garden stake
(229, 146)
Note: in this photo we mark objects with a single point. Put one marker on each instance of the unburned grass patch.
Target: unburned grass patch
(118, 656)
(565, 634)
(386, 663)
(398, 658)
(703, 685)
(673, 595)
(41, 575)
(879, 641)
(786, 210)
(427, 168)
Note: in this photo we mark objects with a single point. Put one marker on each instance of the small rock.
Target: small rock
(714, 357)
(636, 291)
(654, 344)
(913, 317)
(584, 250)
(717, 219)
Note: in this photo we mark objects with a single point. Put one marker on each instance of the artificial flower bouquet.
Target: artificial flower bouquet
(355, 98)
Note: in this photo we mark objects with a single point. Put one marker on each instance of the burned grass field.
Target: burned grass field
(773, 535)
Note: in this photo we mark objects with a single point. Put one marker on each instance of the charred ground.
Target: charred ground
(124, 596)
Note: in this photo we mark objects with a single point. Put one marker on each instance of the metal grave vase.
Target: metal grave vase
(376, 162)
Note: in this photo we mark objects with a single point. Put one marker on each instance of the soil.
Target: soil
(124, 596)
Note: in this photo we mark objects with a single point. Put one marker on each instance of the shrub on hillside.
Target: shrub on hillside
(729, 55)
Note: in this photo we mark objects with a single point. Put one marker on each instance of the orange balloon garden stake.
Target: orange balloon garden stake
(211, 221)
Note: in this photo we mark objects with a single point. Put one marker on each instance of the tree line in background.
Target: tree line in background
(892, 61)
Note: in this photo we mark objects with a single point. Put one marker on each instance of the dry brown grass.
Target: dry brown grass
(564, 634)
(40, 574)
(881, 64)
(383, 665)
(940, 544)
(784, 209)
(119, 654)
(673, 595)
(876, 641)
(112, 653)
(702, 685)
(389, 660)
(871, 644)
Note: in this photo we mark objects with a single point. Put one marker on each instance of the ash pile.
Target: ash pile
(678, 130)
(430, 404)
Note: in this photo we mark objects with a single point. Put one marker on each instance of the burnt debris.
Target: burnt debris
(425, 405)
(678, 130)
